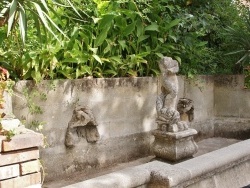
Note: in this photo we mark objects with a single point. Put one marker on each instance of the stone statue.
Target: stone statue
(185, 107)
(84, 124)
(173, 139)
(168, 117)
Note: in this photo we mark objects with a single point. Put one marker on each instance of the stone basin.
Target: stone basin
(216, 159)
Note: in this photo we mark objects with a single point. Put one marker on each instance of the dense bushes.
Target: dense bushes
(125, 38)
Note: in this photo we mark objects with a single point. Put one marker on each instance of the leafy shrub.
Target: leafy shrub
(124, 38)
(112, 39)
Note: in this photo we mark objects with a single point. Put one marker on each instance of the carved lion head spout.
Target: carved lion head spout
(185, 107)
(168, 65)
(82, 124)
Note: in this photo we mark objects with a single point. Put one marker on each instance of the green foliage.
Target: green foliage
(229, 14)
(34, 99)
(37, 13)
(240, 39)
(122, 38)
(8, 133)
(112, 39)
(31, 97)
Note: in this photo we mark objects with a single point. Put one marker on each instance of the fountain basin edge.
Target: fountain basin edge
(226, 167)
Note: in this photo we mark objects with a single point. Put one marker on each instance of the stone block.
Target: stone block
(129, 177)
(10, 171)
(1, 141)
(10, 124)
(22, 141)
(7, 105)
(18, 156)
(22, 181)
(35, 186)
(218, 160)
(168, 176)
(29, 167)
(174, 146)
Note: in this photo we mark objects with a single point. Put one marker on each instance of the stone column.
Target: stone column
(173, 138)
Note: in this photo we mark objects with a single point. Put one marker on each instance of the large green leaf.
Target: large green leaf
(122, 44)
(172, 24)
(12, 14)
(129, 29)
(97, 58)
(44, 20)
(101, 37)
(51, 21)
(142, 38)
(41, 11)
(106, 21)
(44, 5)
(152, 27)
(74, 8)
(22, 23)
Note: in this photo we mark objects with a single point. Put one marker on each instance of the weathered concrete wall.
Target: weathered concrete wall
(231, 107)
(231, 100)
(221, 103)
(124, 109)
(201, 91)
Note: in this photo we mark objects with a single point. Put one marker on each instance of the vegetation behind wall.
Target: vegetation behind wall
(124, 38)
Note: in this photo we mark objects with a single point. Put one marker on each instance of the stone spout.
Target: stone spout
(84, 125)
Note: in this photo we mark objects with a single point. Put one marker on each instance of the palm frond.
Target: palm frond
(240, 39)
(16, 11)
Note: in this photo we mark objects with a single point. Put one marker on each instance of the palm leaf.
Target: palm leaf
(243, 58)
(44, 20)
(74, 8)
(53, 23)
(22, 23)
(17, 11)
(12, 14)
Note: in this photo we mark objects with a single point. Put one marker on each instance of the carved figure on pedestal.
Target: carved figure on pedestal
(83, 124)
(173, 139)
(168, 117)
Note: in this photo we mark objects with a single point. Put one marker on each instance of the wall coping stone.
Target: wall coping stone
(169, 175)
(26, 139)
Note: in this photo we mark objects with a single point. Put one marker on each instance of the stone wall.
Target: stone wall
(124, 109)
(232, 107)
(201, 91)
(232, 100)
(221, 103)
(19, 161)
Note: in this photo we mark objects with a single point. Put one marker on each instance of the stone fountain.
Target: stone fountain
(173, 137)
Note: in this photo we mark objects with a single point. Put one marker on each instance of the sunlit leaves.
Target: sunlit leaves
(12, 14)
(22, 23)
(116, 38)
(19, 12)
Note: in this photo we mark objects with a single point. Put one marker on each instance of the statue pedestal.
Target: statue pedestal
(174, 146)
